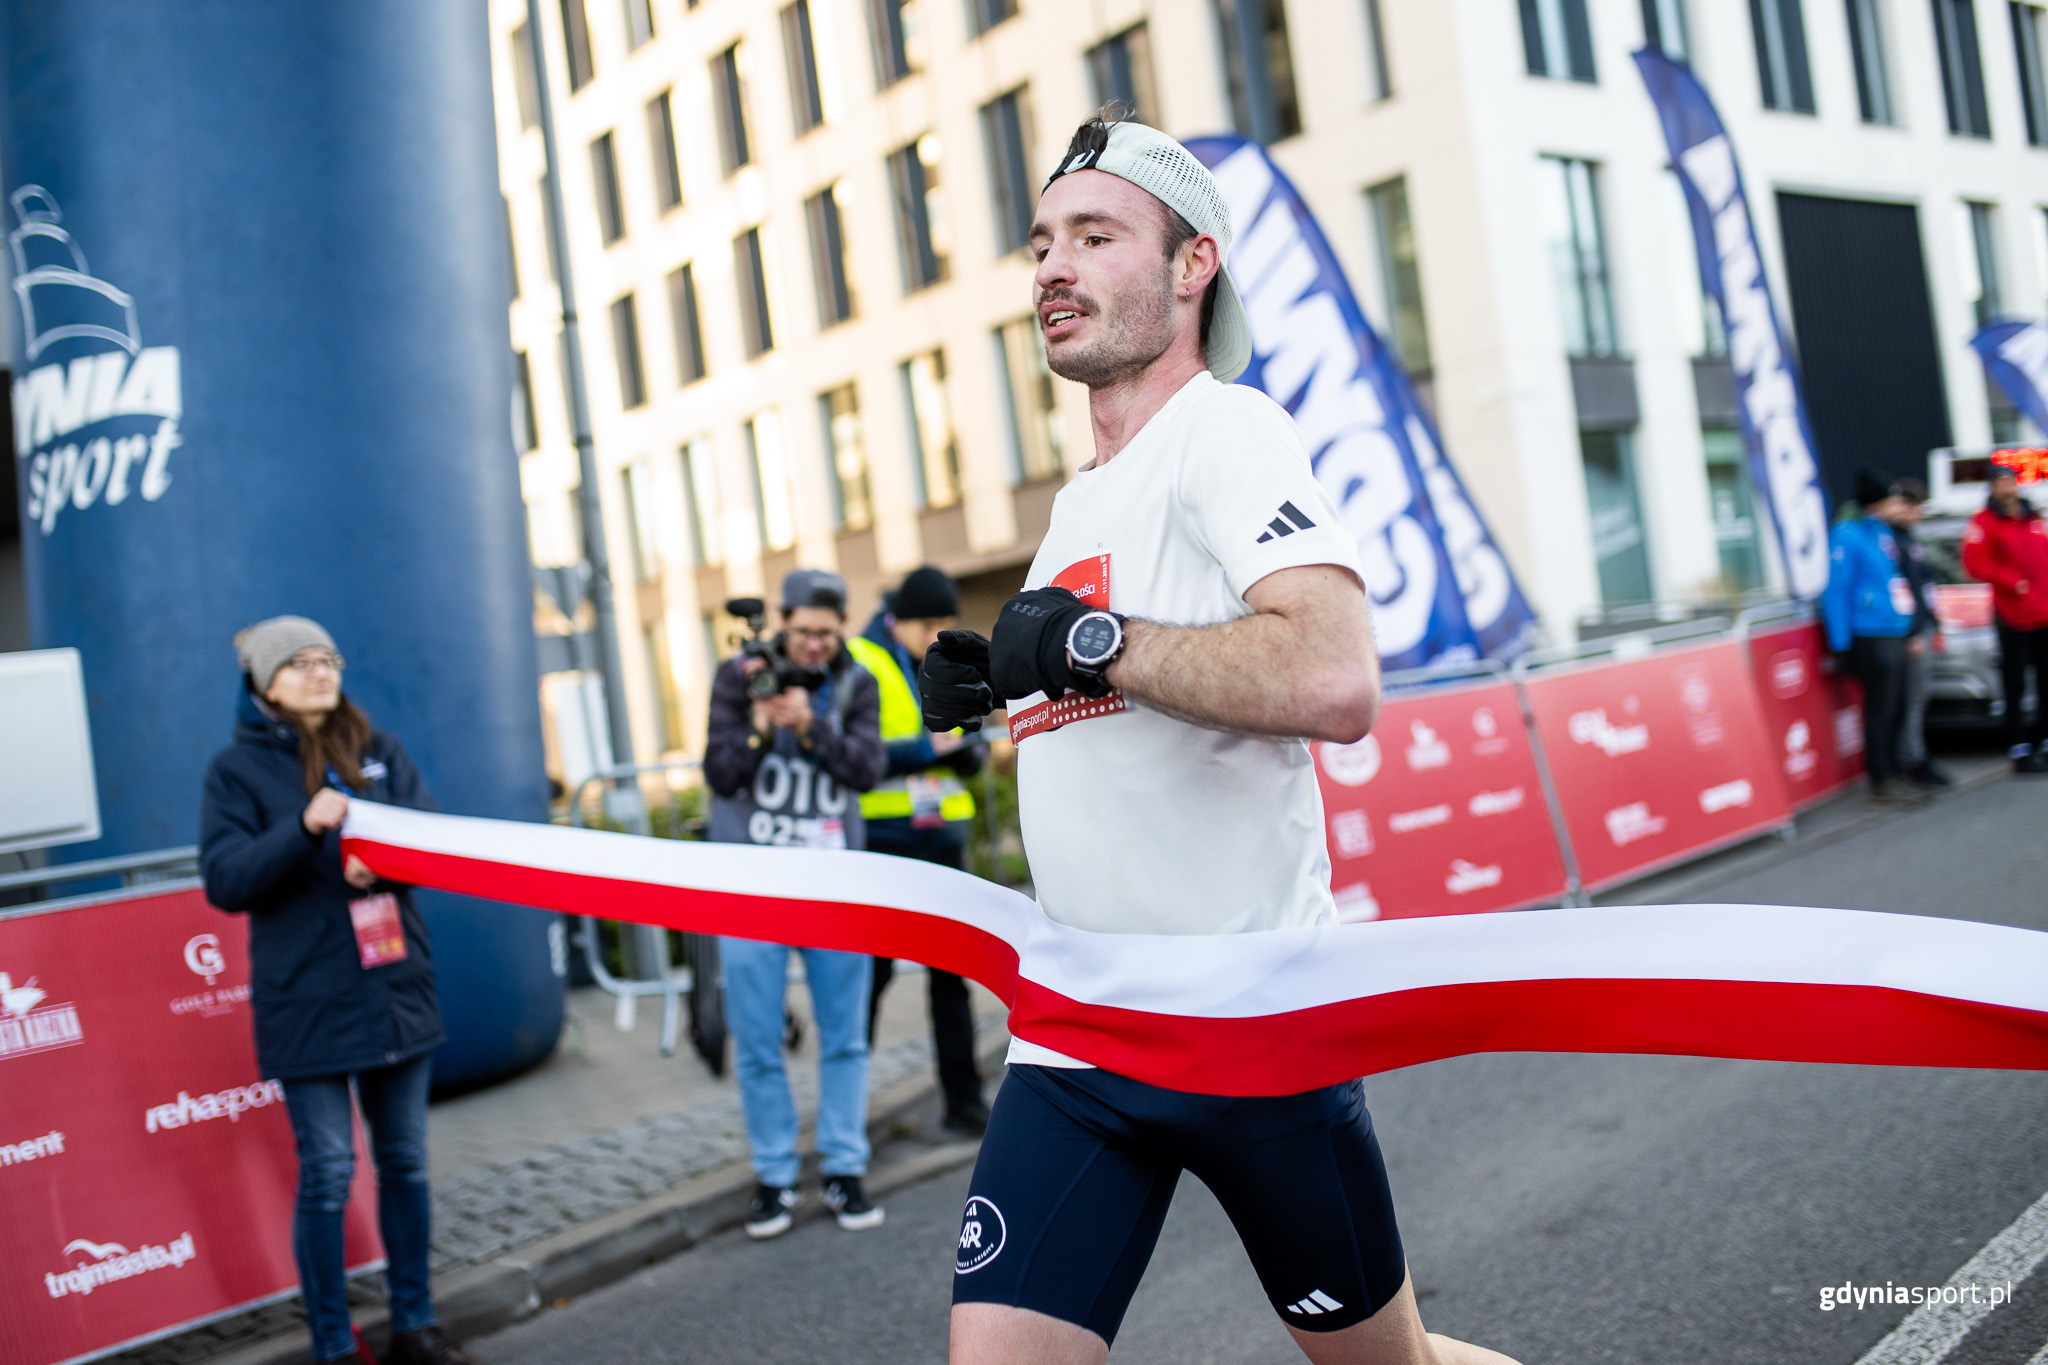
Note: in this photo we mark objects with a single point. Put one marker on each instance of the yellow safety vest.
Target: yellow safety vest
(902, 720)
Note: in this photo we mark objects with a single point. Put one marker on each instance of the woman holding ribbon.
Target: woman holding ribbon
(341, 968)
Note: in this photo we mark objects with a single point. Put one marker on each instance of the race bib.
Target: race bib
(380, 937)
(825, 833)
(1902, 597)
(927, 802)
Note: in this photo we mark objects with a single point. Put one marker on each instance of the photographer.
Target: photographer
(795, 733)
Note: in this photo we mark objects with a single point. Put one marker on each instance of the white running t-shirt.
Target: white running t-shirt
(1136, 822)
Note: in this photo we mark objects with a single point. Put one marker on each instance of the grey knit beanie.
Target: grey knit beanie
(269, 645)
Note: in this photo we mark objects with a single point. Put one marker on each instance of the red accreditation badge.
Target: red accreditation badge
(380, 938)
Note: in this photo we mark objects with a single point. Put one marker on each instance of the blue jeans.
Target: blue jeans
(394, 1100)
(756, 978)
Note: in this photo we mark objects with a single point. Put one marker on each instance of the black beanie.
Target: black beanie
(1872, 488)
(926, 594)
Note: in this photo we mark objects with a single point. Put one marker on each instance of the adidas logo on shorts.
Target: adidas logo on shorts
(1287, 523)
(1318, 1302)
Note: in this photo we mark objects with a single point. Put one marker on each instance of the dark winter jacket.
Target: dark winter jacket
(319, 1011)
(787, 781)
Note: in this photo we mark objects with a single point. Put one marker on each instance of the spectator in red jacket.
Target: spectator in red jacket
(2007, 547)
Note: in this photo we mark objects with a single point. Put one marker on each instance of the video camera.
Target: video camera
(780, 672)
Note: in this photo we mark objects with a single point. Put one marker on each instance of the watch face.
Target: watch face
(1094, 639)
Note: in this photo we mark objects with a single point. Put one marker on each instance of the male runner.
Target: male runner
(1167, 787)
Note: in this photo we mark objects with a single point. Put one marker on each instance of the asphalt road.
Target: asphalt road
(1560, 1208)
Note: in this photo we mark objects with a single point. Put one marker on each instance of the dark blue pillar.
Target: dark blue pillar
(261, 272)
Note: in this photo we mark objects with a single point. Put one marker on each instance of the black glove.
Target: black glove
(1029, 653)
(953, 682)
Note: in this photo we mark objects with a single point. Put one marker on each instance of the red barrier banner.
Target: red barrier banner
(1657, 759)
(1440, 810)
(1814, 720)
(146, 1168)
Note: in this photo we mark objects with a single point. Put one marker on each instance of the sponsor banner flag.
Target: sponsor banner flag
(1441, 589)
(2016, 355)
(1281, 1011)
(1439, 811)
(1775, 428)
(1814, 718)
(1657, 759)
(146, 1166)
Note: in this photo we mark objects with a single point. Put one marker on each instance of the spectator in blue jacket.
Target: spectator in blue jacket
(1869, 610)
(341, 969)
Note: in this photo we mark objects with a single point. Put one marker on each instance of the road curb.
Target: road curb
(480, 1299)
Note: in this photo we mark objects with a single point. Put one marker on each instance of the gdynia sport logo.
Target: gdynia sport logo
(95, 1264)
(99, 420)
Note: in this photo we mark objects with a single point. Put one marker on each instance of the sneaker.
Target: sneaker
(1930, 776)
(850, 1204)
(772, 1211)
(424, 1346)
(1894, 792)
(969, 1120)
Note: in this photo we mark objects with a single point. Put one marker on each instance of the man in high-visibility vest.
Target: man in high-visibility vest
(921, 809)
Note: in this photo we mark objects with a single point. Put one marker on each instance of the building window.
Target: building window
(751, 272)
(2026, 45)
(774, 508)
(828, 258)
(1379, 78)
(983, 15)
(639, 23)
(1866, 45)
(1557, 40)
(1734, 511)
(1619, 551)
(1780, 30)
(1664, 28)
(806, 100)
(604, 184)
(922, 226)
(1006, 134)
(934, 447)
(729, 106)
(1035, 444)
(661, 678)
(1981, 275)
(700, 498)
(1120, 69)
(525, 426)
(1962, 69)
(576, 39)
(846, 459)
(646, 546)
(524, 95)
(1400, 276)
(1258, 68)
(626, 349)
(661, 145)
(682, 310)
(1578, 254)
(898, 30)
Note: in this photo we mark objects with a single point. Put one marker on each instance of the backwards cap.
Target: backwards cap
(1169, 172)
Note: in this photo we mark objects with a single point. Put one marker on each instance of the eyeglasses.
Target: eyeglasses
(316, 661)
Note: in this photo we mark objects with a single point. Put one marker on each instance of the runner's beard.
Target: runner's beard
(1136, 329)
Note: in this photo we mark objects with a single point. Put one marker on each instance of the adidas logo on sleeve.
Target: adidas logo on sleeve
(1287, 523)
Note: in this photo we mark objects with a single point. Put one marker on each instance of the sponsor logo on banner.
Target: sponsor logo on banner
(1800, 757)
(203, 956)
(1352, 765)
(1466, 878)
(229, 1104)
(1726, 796)
(25, 1029)
(31, 1149)
(1409, 820)
(102, 1263)
(1626, 824)
(1849, 731)
(1487, 726)
(1788, 674)
(1426, 749)
(1696, 690)
(1351, 834)
(1496, 803)
(1593, 727)
(98, 426)
(1355, 904)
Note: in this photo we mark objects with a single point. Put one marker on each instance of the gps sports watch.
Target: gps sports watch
(1093, 644)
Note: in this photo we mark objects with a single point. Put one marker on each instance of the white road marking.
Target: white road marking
(1933, 1330)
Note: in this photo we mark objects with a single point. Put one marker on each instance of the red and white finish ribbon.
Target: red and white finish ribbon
(1278, 1012)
